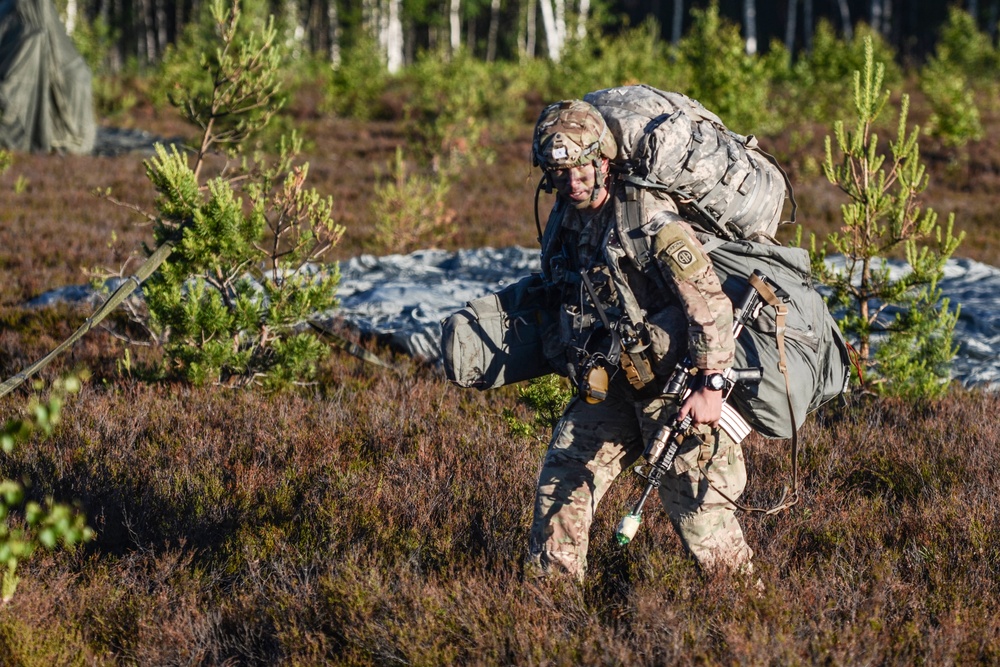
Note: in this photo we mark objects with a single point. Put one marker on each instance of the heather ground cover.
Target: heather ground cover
(380, 517)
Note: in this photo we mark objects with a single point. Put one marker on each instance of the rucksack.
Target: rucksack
(670, 142)
(734, 194)
(496, 339)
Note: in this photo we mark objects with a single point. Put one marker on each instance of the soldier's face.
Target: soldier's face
(577, 184)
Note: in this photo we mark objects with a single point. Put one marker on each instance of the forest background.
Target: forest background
(380, 516)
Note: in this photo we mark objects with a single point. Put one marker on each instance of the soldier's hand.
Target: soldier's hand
(704, 406)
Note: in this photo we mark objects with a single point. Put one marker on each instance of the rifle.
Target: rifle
(662, 448)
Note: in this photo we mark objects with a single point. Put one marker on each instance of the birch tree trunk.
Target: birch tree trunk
(560, 7)
(790, 24)
(394, 37)
(161, 26)
(581, 22)
(491, 38)
(531, 28)
(70, 17)
(845, 19)
(876, 15)
(750, 25)
(677, 24)
(455, 26)
(333, 33)
(552, 36)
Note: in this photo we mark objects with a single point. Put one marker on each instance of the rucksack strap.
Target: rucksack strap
(780, 312)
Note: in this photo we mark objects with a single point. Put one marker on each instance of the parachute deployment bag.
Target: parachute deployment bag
(497, 339)
(815, 354)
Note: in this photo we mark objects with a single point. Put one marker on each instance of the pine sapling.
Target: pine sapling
(902, 327)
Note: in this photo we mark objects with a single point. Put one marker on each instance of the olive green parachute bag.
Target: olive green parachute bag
(497, 339)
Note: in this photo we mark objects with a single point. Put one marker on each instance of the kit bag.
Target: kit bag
(810, 365)
(497, 339)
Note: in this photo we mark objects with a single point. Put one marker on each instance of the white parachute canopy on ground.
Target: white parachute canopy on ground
(401, 299)
(46, 102)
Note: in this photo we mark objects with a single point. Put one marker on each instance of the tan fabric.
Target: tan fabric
(590, 448)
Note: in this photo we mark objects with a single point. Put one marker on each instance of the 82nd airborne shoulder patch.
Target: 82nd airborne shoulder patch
(678, 251)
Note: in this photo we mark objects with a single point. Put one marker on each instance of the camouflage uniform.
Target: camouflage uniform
(594, 443)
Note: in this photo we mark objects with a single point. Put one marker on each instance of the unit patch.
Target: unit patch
(678, 251)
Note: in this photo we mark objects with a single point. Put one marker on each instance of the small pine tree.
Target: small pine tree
(882, 217)
(230, 302)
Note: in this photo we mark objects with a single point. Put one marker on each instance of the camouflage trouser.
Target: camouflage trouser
(593, 444)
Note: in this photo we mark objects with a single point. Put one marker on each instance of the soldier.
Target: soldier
(621, 331)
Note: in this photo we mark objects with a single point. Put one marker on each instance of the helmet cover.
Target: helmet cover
(571, 133)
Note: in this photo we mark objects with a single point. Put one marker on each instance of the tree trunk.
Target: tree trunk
(845, 20)
(552, 36)
(750, 26)
(333, 33)
(161, 27)
(807, 24)
(394, 37)
(70, 16)
(790, 21)
(581, 23)
(148, 53)
(677, 23)
(560, 7)
(491, 39)
(531, 36)
(974, 10)
(876, 16)
(455, 26)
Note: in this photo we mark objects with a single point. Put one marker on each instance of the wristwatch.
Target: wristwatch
(713, 382)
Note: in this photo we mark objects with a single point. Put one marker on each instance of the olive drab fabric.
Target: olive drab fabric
(815, 353)
(720, 179)
(497, 339)
(46, 101)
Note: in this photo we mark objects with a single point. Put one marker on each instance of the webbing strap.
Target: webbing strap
(780, 312)
(124, 290)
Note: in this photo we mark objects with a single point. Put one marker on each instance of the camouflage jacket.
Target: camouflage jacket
(685, 282)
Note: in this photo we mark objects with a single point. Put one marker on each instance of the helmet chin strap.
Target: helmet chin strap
(599, 177)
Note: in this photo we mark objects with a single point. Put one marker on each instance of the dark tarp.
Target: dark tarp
(46, 102)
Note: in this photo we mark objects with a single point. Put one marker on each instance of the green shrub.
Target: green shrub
(963, 56)
(547, 398)
(883, 216)
(357, 83)
(723, 77)
(822, 80)
(411, 210)
(966, 48)
(230, 303)
(954, 115)
(25, 524)
(636, 55)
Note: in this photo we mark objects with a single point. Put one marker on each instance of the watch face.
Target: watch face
(715, 382)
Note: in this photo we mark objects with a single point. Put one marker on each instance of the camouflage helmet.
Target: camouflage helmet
(571, 133)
